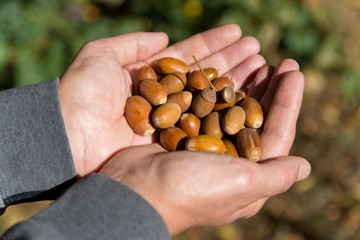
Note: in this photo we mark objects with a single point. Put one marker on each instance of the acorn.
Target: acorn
(183, 99)
(227, 94)
(197, 81)
(211, 73)
(190, 124)
(146, 72)
(253, 111)
(137, 113)
(233, 120)
(230, 148)
(204, 102)
(170, 65)
(166, 115)
(221, 82)
(248, 144)
(173, 139)
(153, 91)
(205, 143)
(211, 125)
(220, 105)
(173, 82)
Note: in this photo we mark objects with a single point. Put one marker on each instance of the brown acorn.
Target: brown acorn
(205, 143)
(227, 94)
(197, 81)
(183, 99)
(173, 139)
(166, 115)
(220, 105)
(204, 102)
(146, 72)
(211, 73)
(190, 124)
(253, 111)
(233, 120)
(153, 91)
(173, 82)
(211, 125)
(170, 65)
(137, 113)
(249, 144)
(230, 148)
(221, 82)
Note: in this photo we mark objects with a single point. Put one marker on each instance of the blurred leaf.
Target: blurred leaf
(3, 53)
(56, 59)
(302, 42)
(27, 70)
(292, 14)
(350, 84)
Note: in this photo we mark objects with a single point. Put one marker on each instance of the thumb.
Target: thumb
(126, 48)
(278, 175)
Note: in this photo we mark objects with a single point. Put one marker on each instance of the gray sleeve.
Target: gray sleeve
(35, 155)
(96, 207)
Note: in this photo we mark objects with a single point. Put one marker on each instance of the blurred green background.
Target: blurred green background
(38, 39)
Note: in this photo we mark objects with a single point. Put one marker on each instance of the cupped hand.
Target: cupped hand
(196, 188)
(191, 188)
(94, 88)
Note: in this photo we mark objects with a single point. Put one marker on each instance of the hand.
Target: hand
(196, 188)
(94, 88)
(190, 188)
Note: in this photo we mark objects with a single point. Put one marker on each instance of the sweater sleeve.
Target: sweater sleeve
(35, 154)
(95, 207)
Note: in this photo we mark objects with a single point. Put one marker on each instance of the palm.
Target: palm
(94, 89)
(100, 109)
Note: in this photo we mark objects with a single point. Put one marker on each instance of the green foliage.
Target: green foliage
(38, 38)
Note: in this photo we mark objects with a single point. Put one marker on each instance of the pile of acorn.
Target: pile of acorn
(195, 110)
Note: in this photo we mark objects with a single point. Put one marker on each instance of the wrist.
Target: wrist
(74, 133)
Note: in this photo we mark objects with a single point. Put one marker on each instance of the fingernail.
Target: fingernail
(304, 171)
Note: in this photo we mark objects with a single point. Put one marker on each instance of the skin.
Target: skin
(94, 88)
(193, 188)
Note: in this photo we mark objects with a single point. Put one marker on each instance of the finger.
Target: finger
(231, 56)
(127, 48)
(249, 210)
(144, 150)
(278, 175)
(283, 67)
(260, 82)
(280, 124)
(245, 71)
(201, 44)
